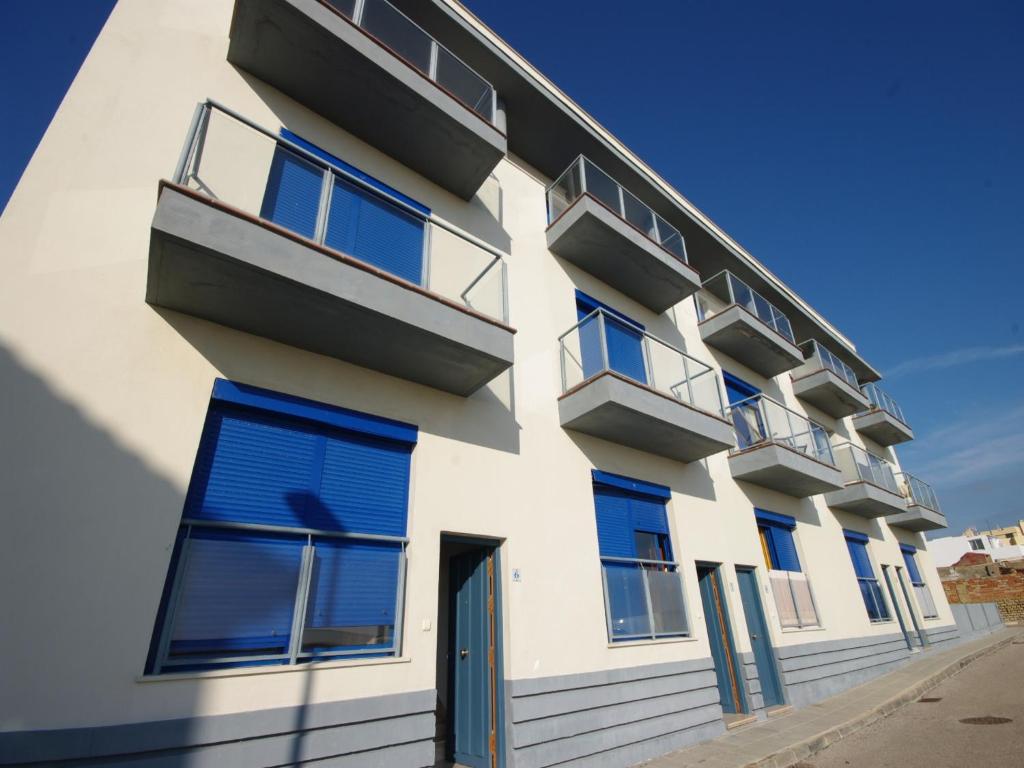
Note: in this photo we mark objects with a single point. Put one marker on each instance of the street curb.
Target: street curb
(801, 750)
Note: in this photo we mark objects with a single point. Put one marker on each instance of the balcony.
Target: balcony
(596, 224)
(744, 325)
(923, 513)
(778, 448)
(365, 66)
(257, 234)
(827, 383)
(621, 384)
(870, 488)
(884, 421)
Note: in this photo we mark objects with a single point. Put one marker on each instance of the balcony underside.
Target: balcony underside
(320, 59)
(593, 238)
(783, 469)
(826, 391)
(919, 518)
(619, 410)
(867, 500)
(883, 428)
(747, 340)
(210, 261)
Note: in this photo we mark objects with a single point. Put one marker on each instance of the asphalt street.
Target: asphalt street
(934, 734)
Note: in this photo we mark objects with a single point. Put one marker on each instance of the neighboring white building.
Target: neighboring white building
(947, 550)
(364, 395)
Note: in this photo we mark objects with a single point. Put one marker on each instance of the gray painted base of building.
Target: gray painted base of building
(752, 685)
(379, 732)
(614, 718)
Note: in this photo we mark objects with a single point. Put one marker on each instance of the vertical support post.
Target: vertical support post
(648, 360)
(326, 186)
(622, 203)
(607, 601)
(504, 292)
(190, 140)
(583, 174)
(428, 235)
(561, 353)
(357, 12)
(432, 67)
(301, 598)
(650, 603)
(396, 640)
(689, 381)
(603, 339)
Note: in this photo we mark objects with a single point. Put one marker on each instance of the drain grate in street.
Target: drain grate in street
(929, 699)
(986, 720)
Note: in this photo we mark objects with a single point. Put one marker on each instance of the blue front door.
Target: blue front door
(723, 651)
(472, 658)
(764, 658)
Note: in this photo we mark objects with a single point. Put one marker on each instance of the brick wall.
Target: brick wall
(1005, 590)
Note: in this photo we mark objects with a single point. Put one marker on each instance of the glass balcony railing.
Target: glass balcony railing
(409, 42)
(883, 402)
(793, 599)
(231, 159)
(857, 464)
(759, 420)
(919, 492)
(725, 289)
(643, 599)
(925, 601)
(603, 342)
(814, 351)
(585, 178)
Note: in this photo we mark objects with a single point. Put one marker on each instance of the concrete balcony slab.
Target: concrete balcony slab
(784, 469)
(215, 262)
(919, 518)
(882, 427)
(597, 240)
(867, 500)
(313, 54)
(620, 410)
(830, 393)
(747, 340)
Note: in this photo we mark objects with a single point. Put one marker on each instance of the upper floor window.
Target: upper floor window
(790, 586)
(642, 584)
(874, 601)
(977, 544)
(291, 546)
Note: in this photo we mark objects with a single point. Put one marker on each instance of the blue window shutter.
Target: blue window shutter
(912, 572)
(251, 468)
(774, 518)
(785, 548)
(292, 196)
(614, 526)
(373, 230)
(354, 584)
(859, 556)
(364, 486)
(648, 515)
(737, 389)
(631, 484)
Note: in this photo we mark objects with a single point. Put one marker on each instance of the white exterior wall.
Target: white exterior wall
(110, 395)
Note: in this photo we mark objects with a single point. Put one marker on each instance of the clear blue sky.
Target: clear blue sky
(869, 153)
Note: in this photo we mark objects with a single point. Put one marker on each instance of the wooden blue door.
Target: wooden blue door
(472, 658)
(764, 657)
(723, 650)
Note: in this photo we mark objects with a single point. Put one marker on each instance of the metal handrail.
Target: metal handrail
(192, 152)
(359, 7)
(600, 313)
(831, 362)
(822, 446)
(920, 493)
(663, 232)
(776, 313)
(883, 401)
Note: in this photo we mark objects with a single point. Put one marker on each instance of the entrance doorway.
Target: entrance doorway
(760, 641)
(723, 649)
(469, 654)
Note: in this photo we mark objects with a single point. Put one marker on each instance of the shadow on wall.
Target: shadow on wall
(486, 418)
(482, 215)
(804, 510)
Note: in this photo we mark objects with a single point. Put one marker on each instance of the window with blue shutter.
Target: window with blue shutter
(776, 532)
(642, 584)
(911, 563)
(360, 222)
(623, 340)
(922, 594)
(871, 592)
(292, 541)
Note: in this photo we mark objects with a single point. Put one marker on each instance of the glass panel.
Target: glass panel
(650, 546)
(784, 602)
(749, 424)
(465, 84)
(671, 240)
(602, 186)
(383, 21)
(237, 596)
(353, 592)
(627, 601)
(346, 7)
(667, 602)
(566, 189)
(925, 602)
(803, 600)
(639, 215)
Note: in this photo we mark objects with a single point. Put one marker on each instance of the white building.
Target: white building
(947, 550)
(384, 398)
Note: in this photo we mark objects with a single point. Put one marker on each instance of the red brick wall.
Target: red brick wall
(1006, 591)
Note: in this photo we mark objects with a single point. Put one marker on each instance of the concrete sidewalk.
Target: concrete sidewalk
(785, 740)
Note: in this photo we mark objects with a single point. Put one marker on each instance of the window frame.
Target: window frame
(876, 593)
(767, 522)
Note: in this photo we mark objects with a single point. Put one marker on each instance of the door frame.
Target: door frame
(776, 674)
(742, 703)
(498, 694)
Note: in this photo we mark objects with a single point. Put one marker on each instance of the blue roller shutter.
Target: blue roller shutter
(292, 196)
(871, 592)
(623, 509)
(778, 531)
(911, 563)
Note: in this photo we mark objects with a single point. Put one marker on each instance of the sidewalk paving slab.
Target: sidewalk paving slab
(786, 740)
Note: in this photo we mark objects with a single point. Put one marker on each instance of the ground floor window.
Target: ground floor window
(794, 600)
(871, 592)
(921, 592)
